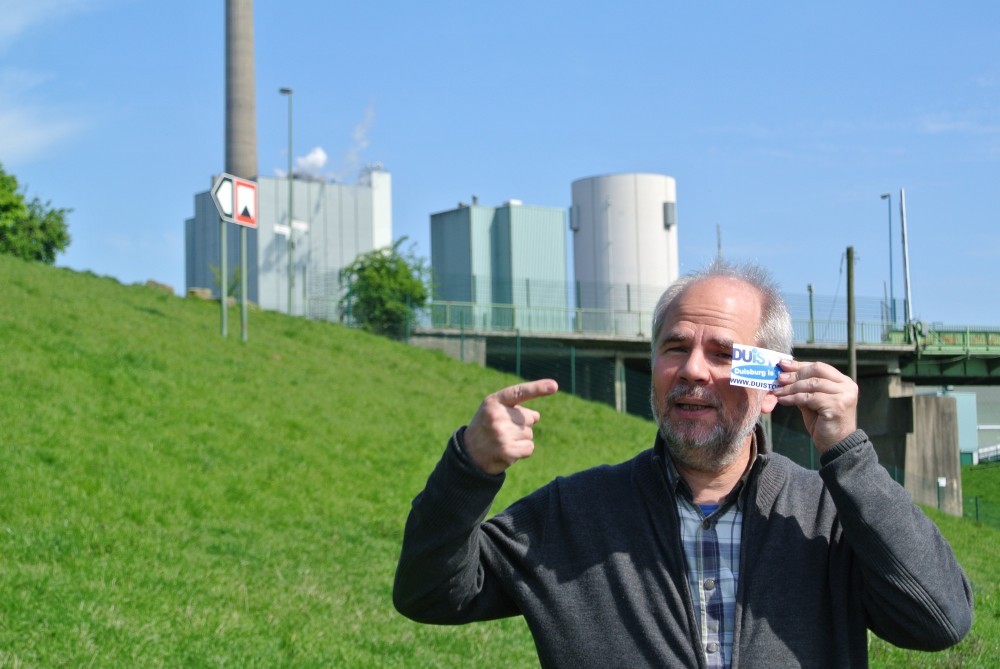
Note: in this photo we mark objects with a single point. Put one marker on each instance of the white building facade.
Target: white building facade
(294, 261)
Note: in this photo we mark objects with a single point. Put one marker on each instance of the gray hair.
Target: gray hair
(775, 329)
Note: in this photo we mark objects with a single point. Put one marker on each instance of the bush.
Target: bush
(31, 230)
(385, 288)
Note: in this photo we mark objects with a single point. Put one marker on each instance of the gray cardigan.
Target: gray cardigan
(593, 562)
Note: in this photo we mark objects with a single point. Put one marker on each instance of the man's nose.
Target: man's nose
(695, 368)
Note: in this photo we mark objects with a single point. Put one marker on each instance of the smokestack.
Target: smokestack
(241, 113)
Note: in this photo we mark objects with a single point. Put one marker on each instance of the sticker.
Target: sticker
(754, 367)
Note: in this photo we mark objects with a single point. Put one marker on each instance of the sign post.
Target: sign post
(223, 275)
(243, 284)
(236, 200)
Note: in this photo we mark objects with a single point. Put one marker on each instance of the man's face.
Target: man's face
(705, 421)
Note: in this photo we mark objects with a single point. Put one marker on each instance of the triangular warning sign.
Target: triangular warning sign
(246, 202)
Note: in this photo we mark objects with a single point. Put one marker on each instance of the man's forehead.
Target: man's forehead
(718, 304)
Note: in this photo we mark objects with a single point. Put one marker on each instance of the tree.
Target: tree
(31, 230)
(385, 288)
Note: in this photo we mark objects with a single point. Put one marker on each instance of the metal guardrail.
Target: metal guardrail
(478, 317)
(958, 339)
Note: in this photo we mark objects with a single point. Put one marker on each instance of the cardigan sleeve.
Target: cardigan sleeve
(441, 576)
(916, 594)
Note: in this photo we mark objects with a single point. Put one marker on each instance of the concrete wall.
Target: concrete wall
(932, 452)
(466, 349)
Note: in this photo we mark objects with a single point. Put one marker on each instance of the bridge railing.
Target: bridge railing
(946, 339)
(478, 317)
(546, 320)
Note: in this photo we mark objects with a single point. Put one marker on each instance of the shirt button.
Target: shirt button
(710, 584)
(712, 647)
(706, 524)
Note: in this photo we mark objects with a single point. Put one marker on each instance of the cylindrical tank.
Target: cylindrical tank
(624, 248)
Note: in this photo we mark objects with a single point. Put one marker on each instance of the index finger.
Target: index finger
(522, 392)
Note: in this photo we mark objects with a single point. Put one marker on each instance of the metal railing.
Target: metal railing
(948, 339)
(478, 317)
(625, 311)
(547, 320)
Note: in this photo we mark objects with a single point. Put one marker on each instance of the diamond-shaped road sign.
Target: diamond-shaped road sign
(236, 199)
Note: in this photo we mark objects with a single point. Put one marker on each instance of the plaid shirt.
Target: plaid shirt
(712, 549)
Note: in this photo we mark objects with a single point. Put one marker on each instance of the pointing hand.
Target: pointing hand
(500, 433)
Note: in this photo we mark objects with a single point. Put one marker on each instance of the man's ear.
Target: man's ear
(770, 401)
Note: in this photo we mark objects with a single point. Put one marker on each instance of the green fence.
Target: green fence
(981, 510)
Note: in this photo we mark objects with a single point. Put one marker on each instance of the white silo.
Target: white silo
(624, 249)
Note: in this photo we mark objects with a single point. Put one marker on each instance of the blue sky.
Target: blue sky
(782, 122)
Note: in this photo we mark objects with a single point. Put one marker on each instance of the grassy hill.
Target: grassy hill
(173, 498)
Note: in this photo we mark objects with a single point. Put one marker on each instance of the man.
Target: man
(706, 550)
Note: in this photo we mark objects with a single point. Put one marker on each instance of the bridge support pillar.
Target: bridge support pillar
(620, 393)
(916, 438)
(885, 412)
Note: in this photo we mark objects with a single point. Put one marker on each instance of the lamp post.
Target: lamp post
(892, 294)
(291, 181)
(908, 303)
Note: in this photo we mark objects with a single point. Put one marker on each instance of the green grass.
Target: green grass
(172, 498)
(981, 485)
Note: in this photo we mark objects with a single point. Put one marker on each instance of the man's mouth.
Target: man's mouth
(687, 406)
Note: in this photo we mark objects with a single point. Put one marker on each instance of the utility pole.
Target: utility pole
(852, 349)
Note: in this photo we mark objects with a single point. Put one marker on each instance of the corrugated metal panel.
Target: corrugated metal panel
(381, 185)
(481, 252)
(538, 244)
(538, 266)
(340, 227)
(450, 257)
(968, 421)
(513, 256)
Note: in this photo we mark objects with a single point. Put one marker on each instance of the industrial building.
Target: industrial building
(624, 249)
(307, 228)
(331, 225)
(505, 266)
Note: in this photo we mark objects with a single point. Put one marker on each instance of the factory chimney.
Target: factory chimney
(241, 113)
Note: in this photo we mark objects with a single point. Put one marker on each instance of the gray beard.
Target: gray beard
(712, 453)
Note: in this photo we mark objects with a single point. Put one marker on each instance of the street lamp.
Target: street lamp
(892, 295)
(291, 180)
